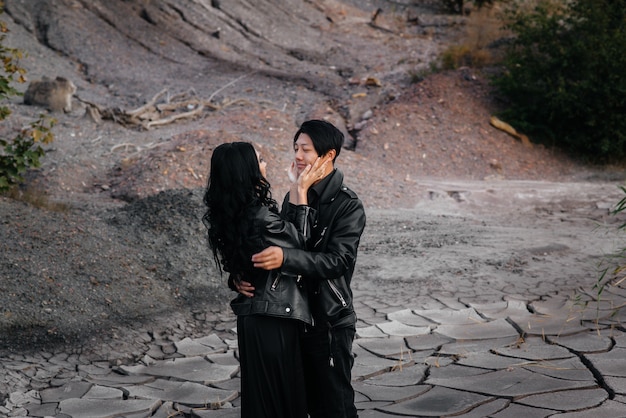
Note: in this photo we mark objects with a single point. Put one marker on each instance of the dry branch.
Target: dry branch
(173, 118)
(159, 110)
(148, 106)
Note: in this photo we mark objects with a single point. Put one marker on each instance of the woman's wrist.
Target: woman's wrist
(293, 193)
(302, 198)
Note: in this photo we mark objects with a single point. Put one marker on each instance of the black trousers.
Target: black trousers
(329, 388)
(272, 381)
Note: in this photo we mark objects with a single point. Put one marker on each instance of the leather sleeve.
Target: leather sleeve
(286, 234)
(288, 210)
(340, 249)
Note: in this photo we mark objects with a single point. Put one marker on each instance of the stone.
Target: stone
(583, 342)
(493, 310)
(514, 410)
(189, 348)
(487, 409)
(120, 380)
(155, 352)
(396, 328)
(454, 370)
(193, 395)
(95, 369)
(611, 363)
(392, 347)
(534, 349)
(377, 393)
(213, 341)
(98, 408)
(498, 328)
(23, 398)
(367, 364)
(462, 348)
(510, 383)
(166, 410)
(193, 369)
(467, 316)
(225, 359)
(566, 400)
(220, 413)
(609, 409)
(370, 332)
(541, 325)
(568, 369)
(68, 391)
(408, 317)
(437, 361)
(103, 392)
(489, 360)
(617, 384)
(438, 402)
(407, 376)
(427, 341)
(43, 410)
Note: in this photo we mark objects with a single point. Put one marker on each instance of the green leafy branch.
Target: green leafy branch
(24, 151)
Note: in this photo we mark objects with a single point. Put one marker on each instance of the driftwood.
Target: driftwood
(160, 110)
(503, 126)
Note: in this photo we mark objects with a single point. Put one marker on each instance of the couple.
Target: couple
(295, 318)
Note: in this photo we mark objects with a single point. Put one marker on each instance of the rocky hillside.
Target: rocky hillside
(108, 230)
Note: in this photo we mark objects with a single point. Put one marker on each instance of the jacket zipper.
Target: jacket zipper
(321, 237)
(306, 220)
(337, 293)
(275, 282)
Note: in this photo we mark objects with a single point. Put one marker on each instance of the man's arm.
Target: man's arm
(340, 253)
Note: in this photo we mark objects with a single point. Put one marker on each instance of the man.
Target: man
(326, 266)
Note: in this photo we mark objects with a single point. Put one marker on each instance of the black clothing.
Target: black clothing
(276, 293)
(327, 265)
(329, 388)
(268, 324)
(272, 384)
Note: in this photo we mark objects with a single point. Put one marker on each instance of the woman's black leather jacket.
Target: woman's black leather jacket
(276, 293)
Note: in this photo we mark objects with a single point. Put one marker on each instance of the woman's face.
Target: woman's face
(304, 151)
(262, 164)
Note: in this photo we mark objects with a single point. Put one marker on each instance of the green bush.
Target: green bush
(458, 6)
(24, 150)
(565, 76)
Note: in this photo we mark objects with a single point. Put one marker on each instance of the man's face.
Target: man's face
(304, 151)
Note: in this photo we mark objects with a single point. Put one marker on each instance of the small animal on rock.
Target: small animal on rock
(55, 95)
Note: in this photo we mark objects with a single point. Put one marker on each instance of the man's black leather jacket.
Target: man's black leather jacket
(328, 262)
(276, 293)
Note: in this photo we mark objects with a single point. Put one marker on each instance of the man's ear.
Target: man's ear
(331, 154)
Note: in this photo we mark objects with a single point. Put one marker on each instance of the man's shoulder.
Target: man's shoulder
(351, 193)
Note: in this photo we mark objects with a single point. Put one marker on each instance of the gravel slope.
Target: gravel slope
(107, 232)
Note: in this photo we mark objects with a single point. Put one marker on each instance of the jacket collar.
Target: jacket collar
(327, 189)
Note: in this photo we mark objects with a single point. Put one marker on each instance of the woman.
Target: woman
(242, 219)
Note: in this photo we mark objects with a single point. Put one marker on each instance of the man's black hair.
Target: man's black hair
(324, 135)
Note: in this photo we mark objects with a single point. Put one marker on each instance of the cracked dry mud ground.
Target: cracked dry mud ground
(106, 235)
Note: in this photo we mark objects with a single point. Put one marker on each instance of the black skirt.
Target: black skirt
(272, 381)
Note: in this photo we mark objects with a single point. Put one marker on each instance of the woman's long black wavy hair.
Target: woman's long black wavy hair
(235, 186)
